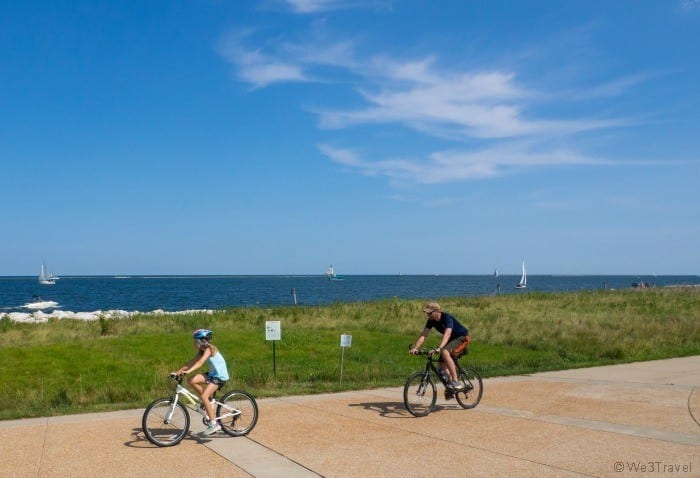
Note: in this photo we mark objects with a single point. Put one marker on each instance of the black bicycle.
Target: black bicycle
(420, 392)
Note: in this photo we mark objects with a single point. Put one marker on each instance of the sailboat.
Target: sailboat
(495, 273)
(44, 276)
(523, 280)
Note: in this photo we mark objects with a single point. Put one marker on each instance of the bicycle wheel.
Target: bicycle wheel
(473, 388)
(419, 394)
(239, 413)
(165, 423)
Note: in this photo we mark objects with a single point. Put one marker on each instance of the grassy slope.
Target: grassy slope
(71, 366)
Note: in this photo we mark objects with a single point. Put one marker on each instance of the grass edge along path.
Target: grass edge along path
(69, 366)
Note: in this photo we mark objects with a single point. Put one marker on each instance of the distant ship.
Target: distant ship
(331, 275)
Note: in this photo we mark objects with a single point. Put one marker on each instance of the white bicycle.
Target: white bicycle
(166, 420)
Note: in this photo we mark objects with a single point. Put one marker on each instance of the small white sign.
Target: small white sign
(273, 330)
(345, 340)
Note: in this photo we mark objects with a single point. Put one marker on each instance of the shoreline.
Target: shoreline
(83, 295)
(40, 317)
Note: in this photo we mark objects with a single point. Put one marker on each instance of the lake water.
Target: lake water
(173, 293)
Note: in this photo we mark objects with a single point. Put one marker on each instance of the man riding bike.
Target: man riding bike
(453, 335)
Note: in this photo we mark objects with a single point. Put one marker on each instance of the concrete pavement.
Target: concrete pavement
(629, 420)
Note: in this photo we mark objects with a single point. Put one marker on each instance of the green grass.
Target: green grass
(67, 366)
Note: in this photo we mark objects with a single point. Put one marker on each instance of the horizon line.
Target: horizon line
(127, 276)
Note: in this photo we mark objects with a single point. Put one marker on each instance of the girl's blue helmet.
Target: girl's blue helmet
(202, 334)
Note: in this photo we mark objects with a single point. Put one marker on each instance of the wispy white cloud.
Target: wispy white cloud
(690, 5)
(284, 61)
(459, 165)
(488, 108)
(333, 54)
(416, 93)
(256, 66)
(615, 87)
(318, 6)
(466, 105)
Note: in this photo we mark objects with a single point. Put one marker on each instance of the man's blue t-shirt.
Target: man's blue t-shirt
(447, 322)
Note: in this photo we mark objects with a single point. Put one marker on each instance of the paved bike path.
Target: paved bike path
(624, 420)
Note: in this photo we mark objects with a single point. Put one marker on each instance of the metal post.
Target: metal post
(274, 359)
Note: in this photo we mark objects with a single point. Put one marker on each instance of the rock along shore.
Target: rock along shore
(43, 317)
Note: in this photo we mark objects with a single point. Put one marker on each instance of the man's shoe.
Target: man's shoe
(456, 386)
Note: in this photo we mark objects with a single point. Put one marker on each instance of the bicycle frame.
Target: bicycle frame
(430, 365)
(193, 402)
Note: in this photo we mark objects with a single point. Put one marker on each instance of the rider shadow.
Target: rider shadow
(385, 409)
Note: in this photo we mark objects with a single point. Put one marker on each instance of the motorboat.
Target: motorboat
(40, 304)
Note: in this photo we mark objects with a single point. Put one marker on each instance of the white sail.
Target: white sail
(44, 276)
(523, 279)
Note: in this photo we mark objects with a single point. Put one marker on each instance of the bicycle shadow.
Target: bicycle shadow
(385, 409)
(397, 410)
(140, 441)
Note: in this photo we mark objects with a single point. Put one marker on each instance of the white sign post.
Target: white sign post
(273, 331)
(345, 341)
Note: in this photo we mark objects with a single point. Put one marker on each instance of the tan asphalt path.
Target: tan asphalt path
(632, 420)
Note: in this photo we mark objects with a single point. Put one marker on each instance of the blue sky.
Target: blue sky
(278, 137)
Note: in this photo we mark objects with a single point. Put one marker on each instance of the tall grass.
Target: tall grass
(67, 366)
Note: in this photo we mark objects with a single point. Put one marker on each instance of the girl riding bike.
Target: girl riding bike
(215, 378)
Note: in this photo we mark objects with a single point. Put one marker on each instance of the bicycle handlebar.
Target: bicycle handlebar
(176, 377)
(422, 351)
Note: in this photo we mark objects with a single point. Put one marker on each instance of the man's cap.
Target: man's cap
(431, 307)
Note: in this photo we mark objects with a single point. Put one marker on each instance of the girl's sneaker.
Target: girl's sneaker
(212, 428)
